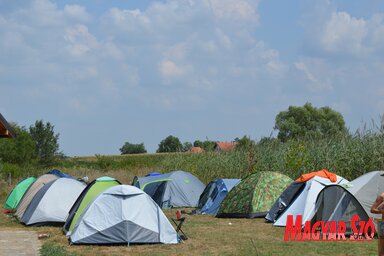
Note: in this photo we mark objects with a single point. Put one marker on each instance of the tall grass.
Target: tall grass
(347, 155)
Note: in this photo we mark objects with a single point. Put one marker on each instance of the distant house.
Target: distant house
(196, 150)
(6, 131)
(224, 146)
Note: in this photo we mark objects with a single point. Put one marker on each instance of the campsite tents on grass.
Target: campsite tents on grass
(17, 193)
(51, 204)
(123, 215)
(92, 190)
(214, 193)
(174, 189)
(254, 195)
(341, 202)
(31, 192)
(300, 197)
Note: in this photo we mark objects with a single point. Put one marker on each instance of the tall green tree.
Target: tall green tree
(130, 148)
(170, 144)
(20, 150)
(298, 122)
(46, 141)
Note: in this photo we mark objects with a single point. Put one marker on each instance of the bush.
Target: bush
(129, 148)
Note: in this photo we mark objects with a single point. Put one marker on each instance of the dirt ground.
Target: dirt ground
(19, 242)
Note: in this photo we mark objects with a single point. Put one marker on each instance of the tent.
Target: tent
(254, 195)
(92, 190)
(300, 198)
(31, 192)
(123, 215)
(17, 193)
(174, 189)
(51, 204)
(153, 174)
(335, 202)
(59, 174)
(355, 197)
(213, 194)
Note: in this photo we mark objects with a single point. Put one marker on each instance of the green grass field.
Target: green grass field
(211, 236)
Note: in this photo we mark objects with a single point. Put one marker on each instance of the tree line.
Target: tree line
(297, 122)
(38, 144)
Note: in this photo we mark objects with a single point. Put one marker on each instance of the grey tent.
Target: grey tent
(341, 202)
(174, 189)
(123, 214)
(337, 203)
(51, 204)
(31, 192)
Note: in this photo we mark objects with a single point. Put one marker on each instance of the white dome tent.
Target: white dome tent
(123, 215)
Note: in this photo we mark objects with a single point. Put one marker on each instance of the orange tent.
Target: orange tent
(322, 173)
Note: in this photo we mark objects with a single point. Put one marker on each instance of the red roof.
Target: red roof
(196, 150)
(225, 146)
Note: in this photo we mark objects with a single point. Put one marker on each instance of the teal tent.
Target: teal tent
(17, 193)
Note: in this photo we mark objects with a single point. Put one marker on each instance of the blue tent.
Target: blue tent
(153, 174)
(214, 193)
(59, 174)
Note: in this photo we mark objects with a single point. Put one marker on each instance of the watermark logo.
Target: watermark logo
(328, 230)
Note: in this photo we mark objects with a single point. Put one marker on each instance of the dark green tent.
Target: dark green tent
(17, 193)
(254, 195)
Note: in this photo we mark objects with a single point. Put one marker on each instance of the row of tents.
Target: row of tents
(315, 196)
(105, 211)
(101, 212)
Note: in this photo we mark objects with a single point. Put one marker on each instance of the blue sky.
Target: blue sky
(106, 72)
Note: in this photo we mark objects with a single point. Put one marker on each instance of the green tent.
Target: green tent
(92, 190)
(17, 193)
(254, 195)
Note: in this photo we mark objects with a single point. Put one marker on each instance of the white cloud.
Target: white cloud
(313, 71)
(80, 40)
(343, 33)
(77, 12)
(240, 10)
(338, 33)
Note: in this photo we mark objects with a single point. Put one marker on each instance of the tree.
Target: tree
(244, 142)
(298, 122)
(198, 143)
(20, 150)
(187, 146)
(207, 145)
(129, 148)
(170, 144)
(46, 142)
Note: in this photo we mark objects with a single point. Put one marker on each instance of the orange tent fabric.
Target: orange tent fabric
(322, 173)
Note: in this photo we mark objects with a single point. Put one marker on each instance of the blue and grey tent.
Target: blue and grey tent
(123, 214)
(214, 193)
(51, 204)
(173, 189)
